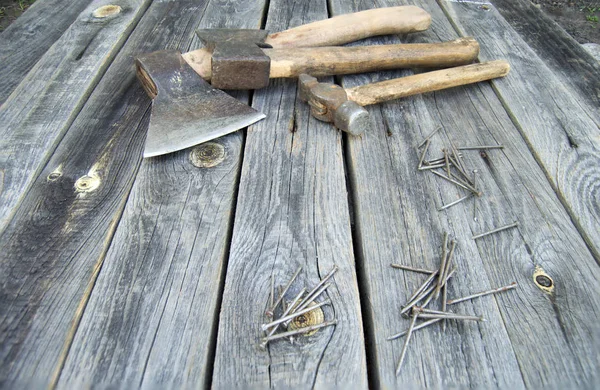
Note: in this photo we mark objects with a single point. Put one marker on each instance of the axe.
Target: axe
(187, 111)
(332, 103)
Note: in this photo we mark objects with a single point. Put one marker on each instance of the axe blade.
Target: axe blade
(187, 110)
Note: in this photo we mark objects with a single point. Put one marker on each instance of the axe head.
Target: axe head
(186, 110)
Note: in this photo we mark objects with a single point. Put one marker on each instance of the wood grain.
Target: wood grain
(151, 319)
(559, 122)
(45, 104)
(30, 36)
(327, 61)
(55, 246)
(532, 338)
(292, 211)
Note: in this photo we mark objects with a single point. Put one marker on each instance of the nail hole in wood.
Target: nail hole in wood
(106, 10)
(207, 155)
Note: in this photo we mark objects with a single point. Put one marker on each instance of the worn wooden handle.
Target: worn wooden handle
(352, 27)
(334, 31)
(427, 82)
(324, 61)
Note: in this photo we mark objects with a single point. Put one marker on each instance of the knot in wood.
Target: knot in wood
(106, 11)
(207, 155)
(313, 317)
(54, 176)
(543, 280)
(87, 183)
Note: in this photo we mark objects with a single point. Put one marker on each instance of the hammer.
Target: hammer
(332, 103)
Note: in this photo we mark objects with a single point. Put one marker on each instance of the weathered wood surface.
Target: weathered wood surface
(45, 104)
(292, 211)
(30, 36)
(55, 246)
(151, 319)
(532, 338)
(559, 122)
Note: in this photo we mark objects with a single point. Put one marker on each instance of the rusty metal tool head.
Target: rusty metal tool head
(332, 103)
(188, 110)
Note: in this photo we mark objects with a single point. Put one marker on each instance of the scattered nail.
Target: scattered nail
(423, 154)
(417, 327)
(413, 269)
(444, 207)
(480, 147)
(512, 225)
(321, 282)
(293, 315)
(295, 332)
(483, 293)
(404, 347)
(271, 310)
(429, 136)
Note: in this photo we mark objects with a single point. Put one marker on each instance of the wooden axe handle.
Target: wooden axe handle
(334, 31)
(353, 27)
(427, 82)
(324, 61)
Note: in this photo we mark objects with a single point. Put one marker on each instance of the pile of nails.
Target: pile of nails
(301, 304)
(434, 286)
(450, 167)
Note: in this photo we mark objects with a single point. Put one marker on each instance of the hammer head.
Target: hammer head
(237, 60)
(329, 103)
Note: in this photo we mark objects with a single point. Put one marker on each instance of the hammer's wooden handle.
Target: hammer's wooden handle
(427, 82)
(352, 27)
(324, 61)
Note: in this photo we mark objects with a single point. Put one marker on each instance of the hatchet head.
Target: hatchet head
(186, 110)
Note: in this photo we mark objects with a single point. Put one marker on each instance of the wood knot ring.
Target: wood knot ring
(87, 183)
(54, 176)
(207, 155)
(543, 280)
(313, 317)
(106, 11)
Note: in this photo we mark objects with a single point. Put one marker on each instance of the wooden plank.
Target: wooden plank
(559, 123)
(152, 317)
(292, 211)
(45, 104)
(532, 338)
(55, 246)
(555, 47)
(30, 36)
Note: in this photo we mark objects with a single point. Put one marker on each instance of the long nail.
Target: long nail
(293, 315)
(298, 331)
(423, 286)
(512, 225)
(321, 282)
(404, 347)
(413, 269)
(447, 162)
(427, 313)
(460, 169)
(308, 301)
(444, 207)
(423, 154)
(455, 152)
(451, 180)
(287, 310)
(271, 310)
(429, 136)
(423, 294)
(440, 281)
(483, 293)
(449, 261)
(475, 200)
(272, 299)
(480, 147)
(444, 298)
(430, 167)
(417, 327)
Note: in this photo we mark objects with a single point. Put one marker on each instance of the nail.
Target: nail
(480, 147)
(429, 167)
(483, 293)
(442, 270)
(293, 315)
(272, 299)
(454, 181)
(440, 160)
(428, 313)
(444, 207)
(429, 136)
(423, 294)
(449, 261)
(413, 269)
(417, 327)
(423, 154)
(512, 225)
(271, 310)
(287, 310)
(321, 282)
(404, 347)
(447, 162)
(298, 331)
(444, 298)
(455, 152)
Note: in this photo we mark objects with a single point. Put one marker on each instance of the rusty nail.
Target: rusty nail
(512, 225)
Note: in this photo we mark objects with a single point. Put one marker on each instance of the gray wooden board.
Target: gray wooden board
(558, 122)
(41, 109)
(532, 338)
(55, 246)
(151, 319)
(292, 211)
(30, 36)
(555, 47)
